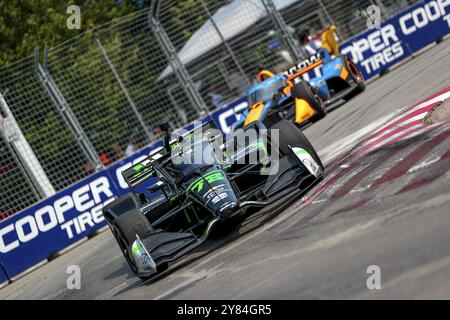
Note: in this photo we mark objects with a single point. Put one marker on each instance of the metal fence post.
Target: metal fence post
(34, 189)
(169, 50)
(282, 28)
(3, 269)
(124, 89)
(62, 106)
(24, 156)
(225, 42)
(330, 19)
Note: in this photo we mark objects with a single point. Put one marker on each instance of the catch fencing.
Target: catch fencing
(90, 101)
(72, 117)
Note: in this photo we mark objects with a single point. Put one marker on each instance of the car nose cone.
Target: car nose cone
(228, 209)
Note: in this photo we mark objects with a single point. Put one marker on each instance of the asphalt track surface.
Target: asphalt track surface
(385, 201)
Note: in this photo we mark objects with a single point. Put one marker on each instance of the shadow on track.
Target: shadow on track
(224, 234)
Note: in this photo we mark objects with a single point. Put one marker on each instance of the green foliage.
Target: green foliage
(25, 25)
(82, 75)
(184, 17)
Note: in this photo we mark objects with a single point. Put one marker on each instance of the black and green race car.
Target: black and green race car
(197, 181)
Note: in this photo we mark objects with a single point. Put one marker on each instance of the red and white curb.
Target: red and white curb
(364, 163)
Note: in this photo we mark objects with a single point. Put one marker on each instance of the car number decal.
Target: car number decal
(307, 160)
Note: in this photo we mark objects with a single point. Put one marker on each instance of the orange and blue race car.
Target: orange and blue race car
(288, 95)
(278, 98)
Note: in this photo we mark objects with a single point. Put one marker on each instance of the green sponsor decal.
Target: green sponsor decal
(138, 174)
(210, 177)
(136, 249)
(300, 151)
(138, 167)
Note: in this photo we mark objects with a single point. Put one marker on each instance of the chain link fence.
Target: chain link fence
(92, 100)
(350, 16)
(221, 44)
(15, 189)
(46, 132)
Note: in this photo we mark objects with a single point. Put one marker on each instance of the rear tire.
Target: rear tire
(304, 90)
(356, 76)
(291, 135)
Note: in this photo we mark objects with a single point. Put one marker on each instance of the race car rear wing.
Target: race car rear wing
(303, 66)
(330, 46)
(138, 173)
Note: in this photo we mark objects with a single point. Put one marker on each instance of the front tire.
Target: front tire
(304, 90)
(355, 75)
(291, 135)
(125, 221)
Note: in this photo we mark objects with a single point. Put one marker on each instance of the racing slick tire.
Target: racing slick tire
(128, 222)
(304, 90)
(291, 135)
(355, 75)
(134, 223)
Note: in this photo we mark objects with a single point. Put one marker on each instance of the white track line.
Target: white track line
(345, 143)
(425, 103)
(397, 127)
(404, 124)
(327, 153)
(410, 132)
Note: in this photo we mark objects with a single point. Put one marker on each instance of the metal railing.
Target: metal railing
(81, 105)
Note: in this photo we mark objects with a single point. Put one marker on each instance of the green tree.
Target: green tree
(82, 76)
(25, 25)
